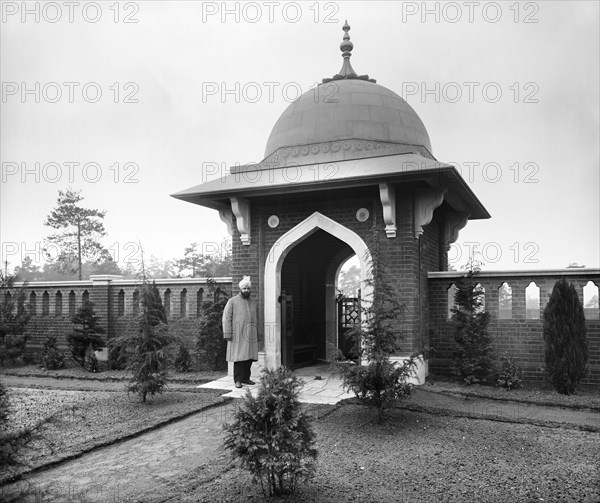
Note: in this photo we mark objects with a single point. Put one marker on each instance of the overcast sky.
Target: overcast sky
(509, 93)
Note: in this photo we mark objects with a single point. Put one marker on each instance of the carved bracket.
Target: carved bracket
(241, 209)
(226, 215)
(426, 201)
(387, 193)
(454, 223)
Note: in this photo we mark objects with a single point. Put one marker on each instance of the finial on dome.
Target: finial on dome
(347, 72)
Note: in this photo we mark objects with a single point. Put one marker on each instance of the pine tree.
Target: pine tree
(80, 231)
(473, 356)
(85, 333)
(565, 338)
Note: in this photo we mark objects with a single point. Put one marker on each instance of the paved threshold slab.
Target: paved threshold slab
(319, 391)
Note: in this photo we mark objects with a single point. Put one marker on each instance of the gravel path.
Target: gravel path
(412, 456)
(137, 469)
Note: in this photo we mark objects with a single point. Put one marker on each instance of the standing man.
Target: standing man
(240, 330)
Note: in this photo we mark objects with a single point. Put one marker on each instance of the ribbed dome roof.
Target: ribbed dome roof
(348, 109)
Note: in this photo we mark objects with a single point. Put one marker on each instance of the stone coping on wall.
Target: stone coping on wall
(519, 273)
(120, 281)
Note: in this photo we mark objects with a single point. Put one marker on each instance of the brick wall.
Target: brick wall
(114, 304)
(405, 251)
(520, 337)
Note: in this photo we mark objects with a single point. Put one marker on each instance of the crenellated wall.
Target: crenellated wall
(518, 331)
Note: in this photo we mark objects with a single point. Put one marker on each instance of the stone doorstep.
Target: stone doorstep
(323, 391)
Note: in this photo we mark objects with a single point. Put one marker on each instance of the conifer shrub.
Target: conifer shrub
(508, 375)
(86, 332)
(377, 380)
(14, 316)
(91, 363)
(118, 356)
(52, 358)
(271, 436)
(211, 348)
(3, 404)
(473, 354)
(565, 338)
(146, 346)
(183, 360)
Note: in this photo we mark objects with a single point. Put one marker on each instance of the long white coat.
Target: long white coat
(240, 325)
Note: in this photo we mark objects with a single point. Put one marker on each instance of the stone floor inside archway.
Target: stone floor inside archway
(321, 385)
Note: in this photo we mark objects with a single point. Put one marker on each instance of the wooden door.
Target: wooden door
(287, 330)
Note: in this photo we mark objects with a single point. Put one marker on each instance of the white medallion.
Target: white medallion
(362, 215)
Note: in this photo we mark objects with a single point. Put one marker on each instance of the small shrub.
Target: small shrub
(52, 357)
(86, 331)
(377, 380)
(183, 360)
(91, 363)
(14, 316)
(146, 346)
(509, 374)
(271, 436)
(565, 338)
(211, 348)
(473, 357)
(3, 404)
(118, 356)
(12, 348)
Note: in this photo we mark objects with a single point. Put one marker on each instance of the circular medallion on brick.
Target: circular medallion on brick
(273, 221)
(362, 214)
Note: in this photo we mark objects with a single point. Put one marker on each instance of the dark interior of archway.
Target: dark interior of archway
(303, 277)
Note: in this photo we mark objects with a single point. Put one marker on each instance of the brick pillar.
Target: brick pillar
(101, 296)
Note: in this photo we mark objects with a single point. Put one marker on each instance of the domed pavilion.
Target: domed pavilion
(347, 157)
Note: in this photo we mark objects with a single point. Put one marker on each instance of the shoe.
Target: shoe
(238, 384)
(249, 382)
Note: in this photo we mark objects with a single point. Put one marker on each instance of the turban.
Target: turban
(245, 282)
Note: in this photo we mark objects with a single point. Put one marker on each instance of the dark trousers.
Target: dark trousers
(241, 371)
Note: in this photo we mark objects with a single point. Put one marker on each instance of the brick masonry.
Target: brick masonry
(416, 265)
(520, 337)
(114, 302)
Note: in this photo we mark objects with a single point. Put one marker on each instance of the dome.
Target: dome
(348, 109)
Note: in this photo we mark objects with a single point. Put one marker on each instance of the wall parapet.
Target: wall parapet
(516, 319)
(116, 302)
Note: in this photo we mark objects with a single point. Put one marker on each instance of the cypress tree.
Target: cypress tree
(565, 338)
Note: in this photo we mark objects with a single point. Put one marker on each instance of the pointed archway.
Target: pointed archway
(273, 267)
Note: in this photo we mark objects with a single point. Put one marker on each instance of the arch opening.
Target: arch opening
(300, 290)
